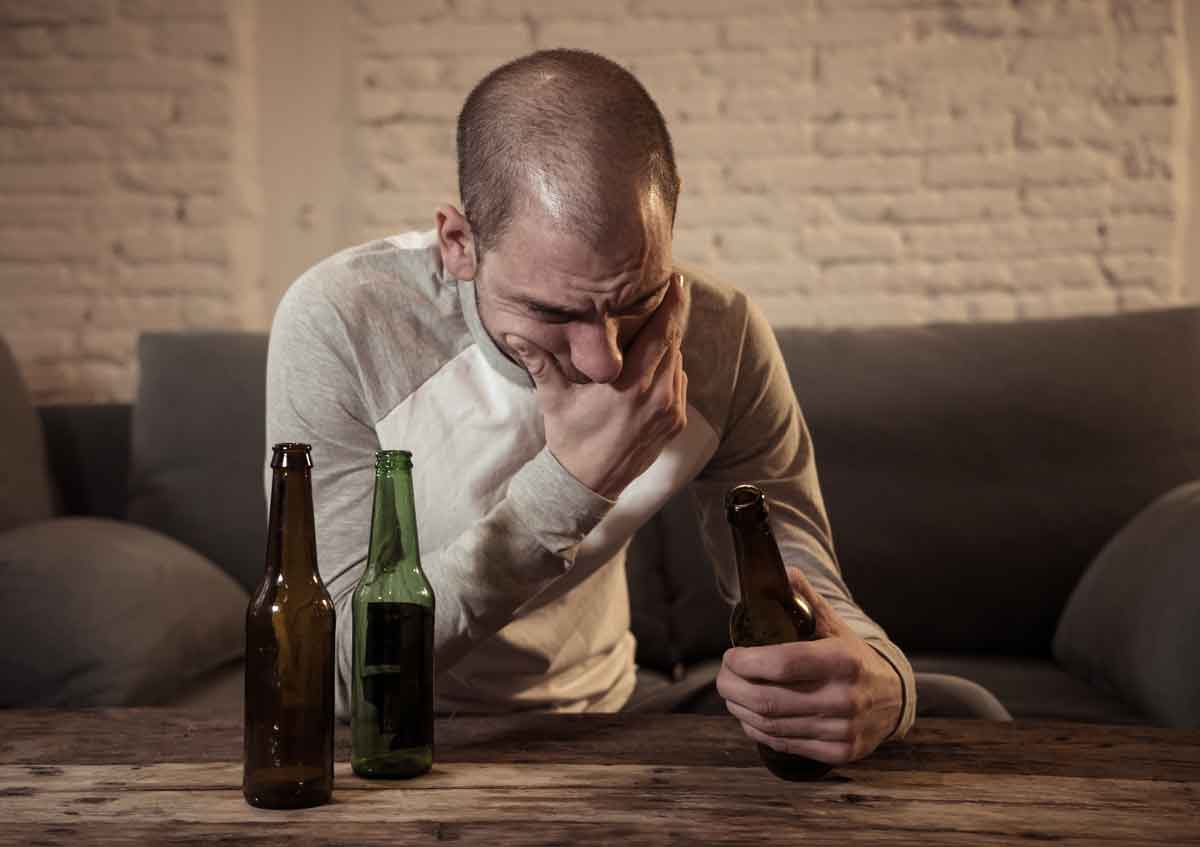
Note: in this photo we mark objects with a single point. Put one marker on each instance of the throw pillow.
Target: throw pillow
(1132, 624)
(102, 613)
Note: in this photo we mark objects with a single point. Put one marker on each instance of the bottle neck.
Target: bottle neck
(760, 565)
(291, 539)
(393, 544)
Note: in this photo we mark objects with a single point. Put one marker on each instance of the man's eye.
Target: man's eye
(549, 315)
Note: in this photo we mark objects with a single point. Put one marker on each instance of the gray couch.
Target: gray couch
(1016, 503)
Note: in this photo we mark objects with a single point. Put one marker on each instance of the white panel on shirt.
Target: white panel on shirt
(415, 240)
(470, 430)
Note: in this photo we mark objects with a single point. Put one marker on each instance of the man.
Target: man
(558, 379)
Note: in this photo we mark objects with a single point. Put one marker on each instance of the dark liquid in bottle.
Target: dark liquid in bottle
(398, 682)
(284, 744)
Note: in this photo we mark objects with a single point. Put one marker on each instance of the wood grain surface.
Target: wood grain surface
(149, 776)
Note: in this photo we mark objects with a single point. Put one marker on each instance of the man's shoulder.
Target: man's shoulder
(729, 344)
(375, 320)
(716, 307)
(401, 272)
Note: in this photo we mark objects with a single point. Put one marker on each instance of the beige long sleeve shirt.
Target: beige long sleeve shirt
(378, 347)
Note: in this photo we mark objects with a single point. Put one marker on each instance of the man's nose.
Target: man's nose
(595, 351)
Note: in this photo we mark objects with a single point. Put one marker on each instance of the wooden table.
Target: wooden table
(149, 776)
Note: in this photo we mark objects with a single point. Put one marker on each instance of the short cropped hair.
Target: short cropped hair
(571, 119)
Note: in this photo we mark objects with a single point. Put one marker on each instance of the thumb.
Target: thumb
(828, 621)
(540, 365)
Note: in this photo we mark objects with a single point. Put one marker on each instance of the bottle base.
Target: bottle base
(288, 788)
(790, 767)
(394, 764)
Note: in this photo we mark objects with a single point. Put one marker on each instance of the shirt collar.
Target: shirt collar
(505, 366)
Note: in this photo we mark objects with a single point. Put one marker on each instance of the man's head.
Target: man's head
(558, 126)
(569, 188)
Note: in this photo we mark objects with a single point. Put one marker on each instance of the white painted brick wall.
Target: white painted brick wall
(119, 140)
(875, 161)
(846, 161)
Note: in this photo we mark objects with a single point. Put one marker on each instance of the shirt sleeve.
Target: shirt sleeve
(765, 441)
(315, 395)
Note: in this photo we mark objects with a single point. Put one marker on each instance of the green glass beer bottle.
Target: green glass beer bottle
(769, 611)
(391, 713)
(289, 653)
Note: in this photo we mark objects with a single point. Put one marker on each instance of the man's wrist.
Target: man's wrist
(898, 728)
(592, 482)
(554, 505)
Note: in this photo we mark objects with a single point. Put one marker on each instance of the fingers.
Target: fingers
(662, 332)
(681, 384)
(828, 659)
(542, 367)
(831, 751)
(772, 701)
(818, 727)
(822, 721)
(668, 392)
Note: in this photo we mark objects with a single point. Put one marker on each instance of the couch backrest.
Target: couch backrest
(972, 471)
(88, 447)
(199, 445)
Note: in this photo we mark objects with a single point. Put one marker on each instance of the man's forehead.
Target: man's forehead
(536, 241)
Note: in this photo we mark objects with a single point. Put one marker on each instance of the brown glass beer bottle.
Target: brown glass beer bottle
(769, 611)
(289, 653)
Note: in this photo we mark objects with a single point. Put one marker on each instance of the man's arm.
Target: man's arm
(765, 441)
(315, 396)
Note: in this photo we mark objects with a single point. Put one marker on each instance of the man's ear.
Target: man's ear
(457, 243)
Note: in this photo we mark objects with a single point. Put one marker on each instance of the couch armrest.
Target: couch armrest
(88, 448)
(1132, 624)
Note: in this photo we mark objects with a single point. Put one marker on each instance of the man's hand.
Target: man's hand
(834, 699)
(607, 434)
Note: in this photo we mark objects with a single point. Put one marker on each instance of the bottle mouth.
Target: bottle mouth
(745, 503)
(391, 460)
(291, 455)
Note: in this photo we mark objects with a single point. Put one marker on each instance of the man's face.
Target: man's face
(581, 304)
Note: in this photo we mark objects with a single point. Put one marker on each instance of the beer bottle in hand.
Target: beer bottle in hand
(289, 653)
(392, 698)
(769, 612)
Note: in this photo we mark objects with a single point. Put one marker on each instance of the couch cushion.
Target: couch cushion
(1132, 625)
(649, 608)
(1030, 687)
(676, 611)
(943, 695)
(972, 471)
(199, 445)
(218, 694)
(26, 491)
(102, 613)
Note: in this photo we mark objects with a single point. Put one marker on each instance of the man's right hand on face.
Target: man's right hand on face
(607, 434)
